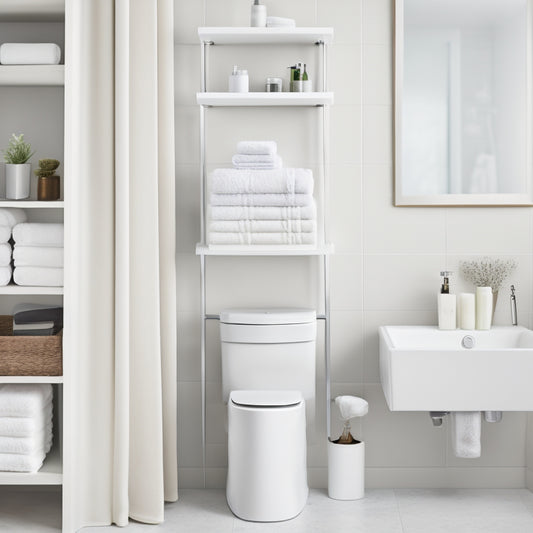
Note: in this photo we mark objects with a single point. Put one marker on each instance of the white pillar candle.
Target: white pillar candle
(467, 310)
(483, 307)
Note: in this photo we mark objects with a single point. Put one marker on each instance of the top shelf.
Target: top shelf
(246, 35)
(32, 10)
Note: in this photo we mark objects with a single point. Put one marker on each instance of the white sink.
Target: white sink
(423, 368)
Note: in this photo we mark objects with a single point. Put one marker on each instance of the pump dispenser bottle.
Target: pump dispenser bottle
(447, 304)
(259, 15)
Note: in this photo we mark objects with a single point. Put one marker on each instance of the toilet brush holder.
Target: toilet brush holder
(346, 470)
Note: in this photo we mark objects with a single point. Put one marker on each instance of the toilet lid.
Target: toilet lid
(269, 398)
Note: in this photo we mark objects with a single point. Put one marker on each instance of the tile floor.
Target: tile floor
(382, 511)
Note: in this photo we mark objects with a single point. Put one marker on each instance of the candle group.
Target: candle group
(474, 311)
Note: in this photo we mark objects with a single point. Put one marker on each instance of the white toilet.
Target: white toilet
(268, 381)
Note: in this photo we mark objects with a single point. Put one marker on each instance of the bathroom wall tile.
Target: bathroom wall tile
(215, 478)
(479, 231)
(187, 207)
(389, 229)
(346, 346)
(188, 283)
(213, 356)
(187, 135)
(346, 281)
(317, 478)
(216, 416)
(187, 73)
(529, 442)
(377, 74)
(191, 478)
(344, 73)
(377, 21)
(345, 134)
(189, 425)
(187, 17)
(502, 444)
(217, 455)
(377, 134)
(401, 282)
(345, 16)
(399, 438)
(372, 320)
(188, 333)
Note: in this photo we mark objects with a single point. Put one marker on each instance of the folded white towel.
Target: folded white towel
(38, 234)
(257, 161)
(44, 256)
(5, 275)
(263, 226)
(24, 399)
(41, 441)
(16, 462)
(285, 180)
(14, 426)
(262, 213)
(262, 238)
(280, 22)
(11, 216)
(5, 233)
(259, 166)
(257, 147)
(38, 276)
(5, 254)
(30, 54)
(280, 200)
(466, 433)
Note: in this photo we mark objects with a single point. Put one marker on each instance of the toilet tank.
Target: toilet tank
(269, 349)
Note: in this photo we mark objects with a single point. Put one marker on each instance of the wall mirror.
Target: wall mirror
(463, 102)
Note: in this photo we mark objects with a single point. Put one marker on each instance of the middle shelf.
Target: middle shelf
(221, 99)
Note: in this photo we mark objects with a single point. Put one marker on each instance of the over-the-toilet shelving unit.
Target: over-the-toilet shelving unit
(36, 76)
(321, 99)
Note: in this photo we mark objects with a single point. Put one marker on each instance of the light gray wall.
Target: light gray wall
(387, 261)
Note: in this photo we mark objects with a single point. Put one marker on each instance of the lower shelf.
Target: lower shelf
(51, 473)
(256, 249)
(31, 379)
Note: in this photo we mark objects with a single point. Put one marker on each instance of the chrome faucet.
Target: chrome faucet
(514, 318)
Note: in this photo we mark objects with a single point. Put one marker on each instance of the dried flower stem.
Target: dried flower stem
(487, 272)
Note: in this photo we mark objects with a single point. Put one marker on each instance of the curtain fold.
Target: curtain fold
(120, 222)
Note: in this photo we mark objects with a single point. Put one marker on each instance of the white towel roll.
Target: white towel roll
(38, 234)
(5, 275)
(466, 434)
(5, 233)
(11, 216)
(38, 276)
(5, 254)
(30, 54)
(43, 256)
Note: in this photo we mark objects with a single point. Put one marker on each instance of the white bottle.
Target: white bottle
(447, 305)
(483, 307)
(466, 311)
(259, 15)
(238, 81)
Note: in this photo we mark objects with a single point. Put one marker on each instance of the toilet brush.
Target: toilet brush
(350, 407)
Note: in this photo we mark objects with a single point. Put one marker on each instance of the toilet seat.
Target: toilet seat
(272, 399)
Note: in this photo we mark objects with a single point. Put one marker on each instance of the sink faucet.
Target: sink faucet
(514, 318)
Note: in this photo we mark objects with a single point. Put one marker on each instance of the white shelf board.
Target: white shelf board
(32, 75)
(24, 290)
(256, 249)
(32, 10)
(51, 473)
(32, 204)
(31, 379)
(264, 99)
(247, 35)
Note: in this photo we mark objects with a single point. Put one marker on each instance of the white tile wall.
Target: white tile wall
(386, 270)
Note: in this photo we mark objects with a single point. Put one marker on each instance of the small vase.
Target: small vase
(18, 181)
(48, 188)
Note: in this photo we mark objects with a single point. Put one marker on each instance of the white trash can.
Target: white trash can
(346, 470)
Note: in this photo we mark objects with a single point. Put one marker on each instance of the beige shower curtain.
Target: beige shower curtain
(120, 341)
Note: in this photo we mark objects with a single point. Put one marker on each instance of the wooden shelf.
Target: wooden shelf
(31, 379)
(32, 75)
(32, 10)
(32, 204)
(51, 473)
(264, 99)
(31, 291)
(247, 35)
(255, 249)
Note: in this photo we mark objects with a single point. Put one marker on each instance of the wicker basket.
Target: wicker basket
(29, 355)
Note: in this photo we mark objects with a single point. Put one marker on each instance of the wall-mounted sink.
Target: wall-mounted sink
(423, 368)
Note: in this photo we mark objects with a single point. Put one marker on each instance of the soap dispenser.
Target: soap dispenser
(259, 15)
(447, 304)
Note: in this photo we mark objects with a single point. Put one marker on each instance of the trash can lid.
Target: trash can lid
(269, 398)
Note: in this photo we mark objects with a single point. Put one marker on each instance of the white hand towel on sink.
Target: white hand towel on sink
(38, 234)
(238, 212)
(24, 399)
(466, 433)
(257, 147)
(273, 199)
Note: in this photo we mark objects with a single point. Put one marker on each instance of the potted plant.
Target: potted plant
(48, 184)
(18, 170)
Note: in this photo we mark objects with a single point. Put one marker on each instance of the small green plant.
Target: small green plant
(47, 167)
(18, 151)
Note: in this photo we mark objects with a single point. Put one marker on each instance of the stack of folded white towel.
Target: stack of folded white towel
(25, 426)
(258, 155)
(9, 217)
(260, 206)
(38, 254)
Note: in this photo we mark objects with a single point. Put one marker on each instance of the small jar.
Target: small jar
(238, 81)
(274, 85)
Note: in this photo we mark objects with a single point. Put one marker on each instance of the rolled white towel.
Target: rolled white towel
(466, 434)
(280, 22)
(262, 238)
(38, 442)
(5, 275)
(5, 254)
(11, 216)
(280, 200)
(44, 256)
(38, 234)
(14, 426)
(38, 276)
(351, 406)
(16, 462)
(24, 399)
(262, 213)
(285, 180)
(257, 147)
(30, 54)
(263, 226)
(5, 233)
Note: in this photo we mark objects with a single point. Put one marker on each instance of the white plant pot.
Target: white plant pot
(18, 181)
(346, 471)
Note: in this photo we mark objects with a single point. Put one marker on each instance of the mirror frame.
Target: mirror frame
(456, 200)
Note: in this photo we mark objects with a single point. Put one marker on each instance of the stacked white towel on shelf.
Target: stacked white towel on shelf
(260, 206)
(9, 217)
(261, 155)
(25, 426)
(38, 254)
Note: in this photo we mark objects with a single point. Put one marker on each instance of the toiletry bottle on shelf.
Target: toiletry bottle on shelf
(447, 305)
(259, 15)
(483, 307)
(307, 84)
(238, 81)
